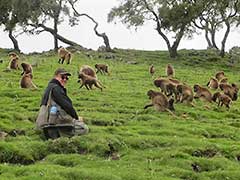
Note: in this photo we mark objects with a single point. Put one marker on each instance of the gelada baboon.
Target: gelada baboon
(26, 81)
(27, 68)
(170, 70)
(212, 83)
(222, 99)
(230, 90)
(185, 93)
(152, 70)
(102, 68)
(223, 80)
(64, 54)
(219, 75)
(202, 92)
(88, 70)
(162, 83)
(172, 88)
(89, 81)
(160, 101)
(14, 59)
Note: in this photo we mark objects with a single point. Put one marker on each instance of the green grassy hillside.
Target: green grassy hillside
(125, 141)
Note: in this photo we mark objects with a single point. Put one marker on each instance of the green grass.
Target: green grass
(200, 143)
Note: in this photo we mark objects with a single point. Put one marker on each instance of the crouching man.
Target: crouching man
(57, 117)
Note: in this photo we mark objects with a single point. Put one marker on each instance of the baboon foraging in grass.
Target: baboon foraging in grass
(162, 83)
(88, 71)
(102, 68)
(222, 99)
(152, 70)
(212, 83)
(220, 75)
(230, 90)
(202, 92)
(27, 68)
(64, 54)
(160, 101)
(14, 59)
(89, 81)
(185, 93)
(223, 80)
(26, 81)
(170, 70)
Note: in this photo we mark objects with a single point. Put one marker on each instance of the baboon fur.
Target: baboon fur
(213, 83)
(230, 90)
(223, 80)
(172, 88)
(162, 83)
(88, 71)
(64, 54)
(185, 93)
(219, 75)
(102, 68)
(14, 59)
(170, 70)
(89, 81)
(27, 68)
(202, 92)
(151, 70)
(26, 81)
(160, 101)
(222, 99)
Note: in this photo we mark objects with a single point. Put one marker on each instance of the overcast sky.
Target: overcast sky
(145, 37)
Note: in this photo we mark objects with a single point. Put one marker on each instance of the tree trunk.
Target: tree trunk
(222, 52)
(14, 41)
(173, 52)
(213, 32)
(55, 34)
(207, 38)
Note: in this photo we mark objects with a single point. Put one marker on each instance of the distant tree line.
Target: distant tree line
(174, 19)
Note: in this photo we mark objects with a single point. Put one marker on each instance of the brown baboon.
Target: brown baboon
(230, 90)
(202, 92)
(152, 70)
(219, 75)
(26, 81)
(223, 99)
(170, 70)
(185, 93)
(102, 68)
(14, 59)
(88, 71)
(64, 54)
(172, 88)
(89, 81)
(160, 101)
(162, 83)
(223, 80)
(212, 83)
(27, 68)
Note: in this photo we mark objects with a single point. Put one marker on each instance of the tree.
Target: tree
(170, 16)
(218, 14)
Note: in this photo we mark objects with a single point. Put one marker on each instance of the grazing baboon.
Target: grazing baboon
(202, 92)
(14, 59)
(89, 81)
(160, 101)
(64, 54)
(219, 75)
(26, 81)
(223, 80)
(27, 68)
(170, 70)
(88, 71)
(162, 83)
(223, 99)
(172, 88)
(212, 83)
(102, 68)
(185, 93)
(152, 70)
(230, 90)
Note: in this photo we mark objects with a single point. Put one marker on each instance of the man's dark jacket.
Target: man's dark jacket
(59, 95)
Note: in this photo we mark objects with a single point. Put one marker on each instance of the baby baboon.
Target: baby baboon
(202, 92)
(230, 90)
(102, 68)
(170, 70)
(160, 101)
(152, 70)
(14, 59)
(89, 81)
(27, 68)
(64, 54)
(213, 83)
(223, 80)
(185, 92)
(223, 99)
(219, 75)
(26, 81)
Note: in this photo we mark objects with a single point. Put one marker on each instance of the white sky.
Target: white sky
(145, 38)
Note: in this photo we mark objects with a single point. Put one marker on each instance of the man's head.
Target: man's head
(62, 76)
